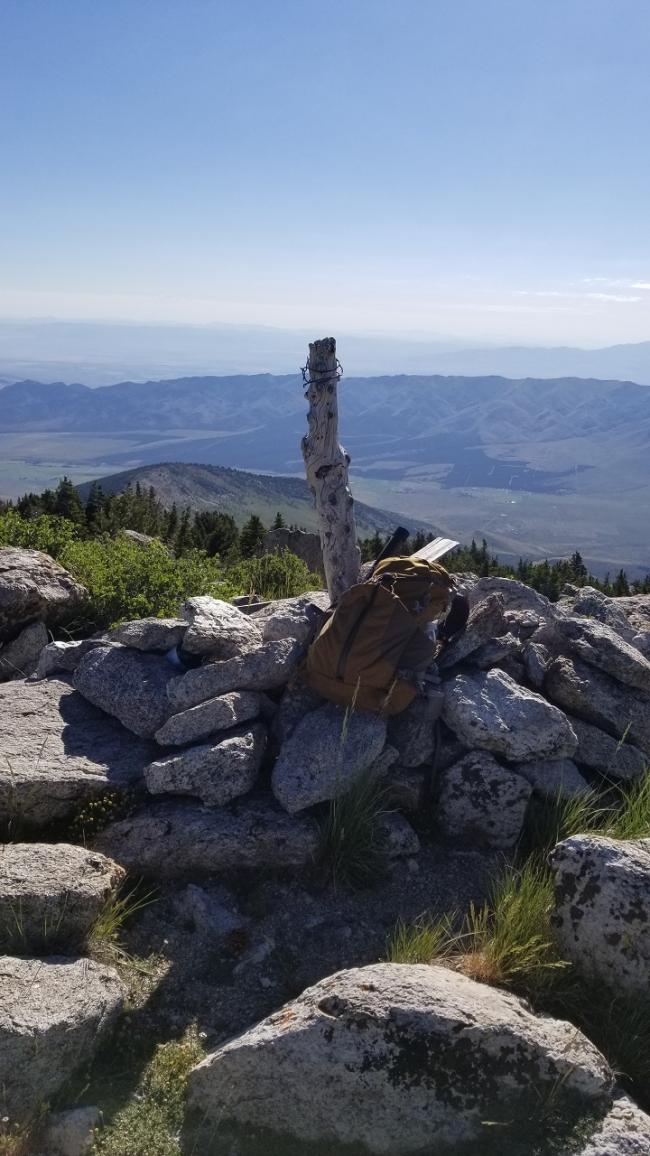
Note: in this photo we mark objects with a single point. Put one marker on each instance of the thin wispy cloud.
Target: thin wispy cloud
(613, 297)
(570, 295)
(616, 282)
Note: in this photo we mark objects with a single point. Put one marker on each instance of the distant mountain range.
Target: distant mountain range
(240, 493)
(109, 352)
(539, 467)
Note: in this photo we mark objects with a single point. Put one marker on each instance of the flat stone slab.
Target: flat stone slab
(299, 618)
(65, 656)
(268, 667)
(591, 603)
(173, 839)
(51, 894)
(214, 772)
(53, 1014)
(598, 645)
(57, 752)
(325, 754)
(157, 634)
(217, 714)
(486, 621)
(613, 758)
(601, 700)
(127, 684)
(552, 778)
(217, 628)
(515, 595)
(493, 712)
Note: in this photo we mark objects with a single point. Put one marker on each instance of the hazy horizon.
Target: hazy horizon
(105, 352)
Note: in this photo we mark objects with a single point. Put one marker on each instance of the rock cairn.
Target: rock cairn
(231, 761)
(537, 699)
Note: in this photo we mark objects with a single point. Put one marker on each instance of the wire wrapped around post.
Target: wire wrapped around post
(326, 466)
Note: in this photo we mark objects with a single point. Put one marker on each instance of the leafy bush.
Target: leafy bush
(281, 575)
(126, 580)
(48, 532)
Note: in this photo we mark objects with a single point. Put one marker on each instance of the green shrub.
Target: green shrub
(126, 580)
(280, 575)
(48, 532)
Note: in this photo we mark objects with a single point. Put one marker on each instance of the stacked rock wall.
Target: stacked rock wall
(534, 699)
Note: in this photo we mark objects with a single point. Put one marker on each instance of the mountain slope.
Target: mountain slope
(538, 467)
(241, 494)
(483, 406)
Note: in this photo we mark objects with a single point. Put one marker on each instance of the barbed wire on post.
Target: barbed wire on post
(334, 375)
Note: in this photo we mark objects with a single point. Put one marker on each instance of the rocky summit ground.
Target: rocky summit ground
(236, 920)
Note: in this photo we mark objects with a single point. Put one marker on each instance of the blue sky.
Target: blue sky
(472, 169)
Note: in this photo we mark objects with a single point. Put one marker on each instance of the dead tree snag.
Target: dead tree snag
(326, 465)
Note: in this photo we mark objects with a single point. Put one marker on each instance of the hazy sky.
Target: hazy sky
(467, 168)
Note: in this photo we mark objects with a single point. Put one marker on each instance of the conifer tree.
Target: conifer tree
(184, 538)
(67, 503)
(252, 537)
(620, 585)
(94, 509)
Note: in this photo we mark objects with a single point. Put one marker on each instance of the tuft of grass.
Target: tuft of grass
(426, 940)
(151, 1122)
(549, 821)
(103, 938)
(506, 942)
(622, 813)
(630, 816)
(20, 936)
(351, 842)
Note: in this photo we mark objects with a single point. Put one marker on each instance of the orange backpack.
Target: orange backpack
(356, 657)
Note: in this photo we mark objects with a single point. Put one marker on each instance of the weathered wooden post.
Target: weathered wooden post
(326, 465)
